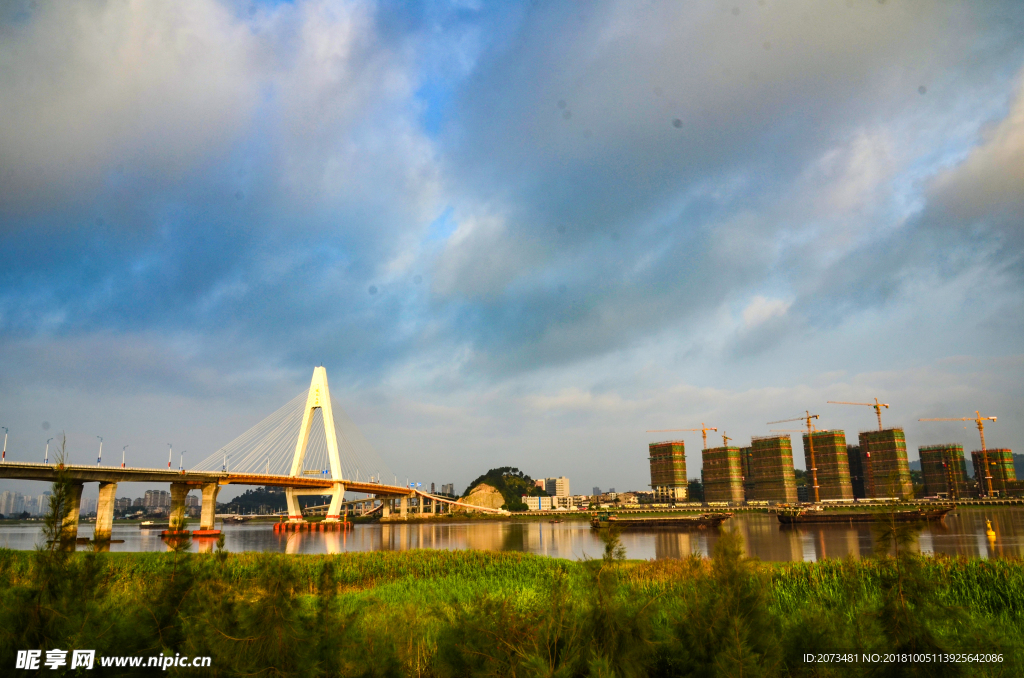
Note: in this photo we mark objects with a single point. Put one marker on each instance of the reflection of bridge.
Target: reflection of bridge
(314, 468)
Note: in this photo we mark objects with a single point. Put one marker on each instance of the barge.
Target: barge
(699, 522)
(842, 517)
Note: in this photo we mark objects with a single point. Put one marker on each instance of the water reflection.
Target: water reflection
(962, 533)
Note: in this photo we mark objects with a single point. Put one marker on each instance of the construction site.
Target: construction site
(876, 468)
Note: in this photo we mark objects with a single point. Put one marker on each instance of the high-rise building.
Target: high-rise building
(943, 470)
(11, 503)
(668, 470)
(856, 463)
(448, 488)
(722, 474)
(157, 499)
(1000, 464)
(884, 456)
(122, 503)
(597, 491)
(770, 468)
(832, 463)
(432, 490)
(556, 487)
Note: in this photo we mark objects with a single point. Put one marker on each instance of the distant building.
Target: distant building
(556, 487)
(122, 503)
(722, 474)
(1000, 464)
(11, 503)
(668, 470)
(832, 463)
(856, 462)
(539, 483)
(448, 488)
(538, 503)
(884, 456)
(611, 490)
(943, 470)
(157, 499)
(432, 490)
(192, 501)
(597, 491)
(769, 467)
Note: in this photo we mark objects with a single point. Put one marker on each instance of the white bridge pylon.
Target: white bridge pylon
(319, 398)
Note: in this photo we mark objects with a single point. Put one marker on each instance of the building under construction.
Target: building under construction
(668, 470)
(884, 456)
(722, 474)
(1000, 464)
(770, 469)
(746, 463)
(944, 471)
(856, 462)
(832, 463)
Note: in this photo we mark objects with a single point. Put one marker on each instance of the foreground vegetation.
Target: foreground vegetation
(470, 613)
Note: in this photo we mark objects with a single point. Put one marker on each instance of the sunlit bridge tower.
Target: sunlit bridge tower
(319, 398)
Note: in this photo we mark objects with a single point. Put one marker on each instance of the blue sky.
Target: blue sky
(514, 233)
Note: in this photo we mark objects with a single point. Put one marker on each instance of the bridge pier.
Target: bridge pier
(403, 506)
(69, 528)
(208, 518)
(177, 518)
(385, 510)
(105, 512)
(334, 511)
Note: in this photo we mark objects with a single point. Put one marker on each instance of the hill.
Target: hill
(512, 483)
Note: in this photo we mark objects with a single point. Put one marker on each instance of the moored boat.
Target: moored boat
(843, 517)
(702, 521)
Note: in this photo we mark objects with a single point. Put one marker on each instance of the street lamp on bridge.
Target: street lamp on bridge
(170, 451)
(46, 455)
(122, 455)
(99, 457)
(4, 457)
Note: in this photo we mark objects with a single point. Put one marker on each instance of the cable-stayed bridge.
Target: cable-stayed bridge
(309, 447)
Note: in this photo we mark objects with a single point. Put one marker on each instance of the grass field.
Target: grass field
(473, 613)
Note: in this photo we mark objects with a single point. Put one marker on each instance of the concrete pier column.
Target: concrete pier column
(385, 510)
(403, 507)
(178, 492)
(105, 512)
(292, 499)
(208, 518)
(69, 530)
(337, 499)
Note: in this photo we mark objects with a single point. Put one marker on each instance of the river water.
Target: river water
(963, 532)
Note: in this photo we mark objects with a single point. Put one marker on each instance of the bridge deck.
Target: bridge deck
(115, 474)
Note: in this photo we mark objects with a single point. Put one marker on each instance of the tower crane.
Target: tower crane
(810, 442)
(877, 405)
(703, 431)
(979, 421)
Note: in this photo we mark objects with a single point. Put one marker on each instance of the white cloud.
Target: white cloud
(762, 309)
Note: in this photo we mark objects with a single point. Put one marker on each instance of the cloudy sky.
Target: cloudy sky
(514, 233)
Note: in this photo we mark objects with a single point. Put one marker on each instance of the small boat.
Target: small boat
(844, 517)
(153, 525)
(554, 521)
(702, 521)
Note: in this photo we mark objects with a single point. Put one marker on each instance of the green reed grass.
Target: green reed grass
(474, 613)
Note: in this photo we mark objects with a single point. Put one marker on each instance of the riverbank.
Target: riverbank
(465, 613)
